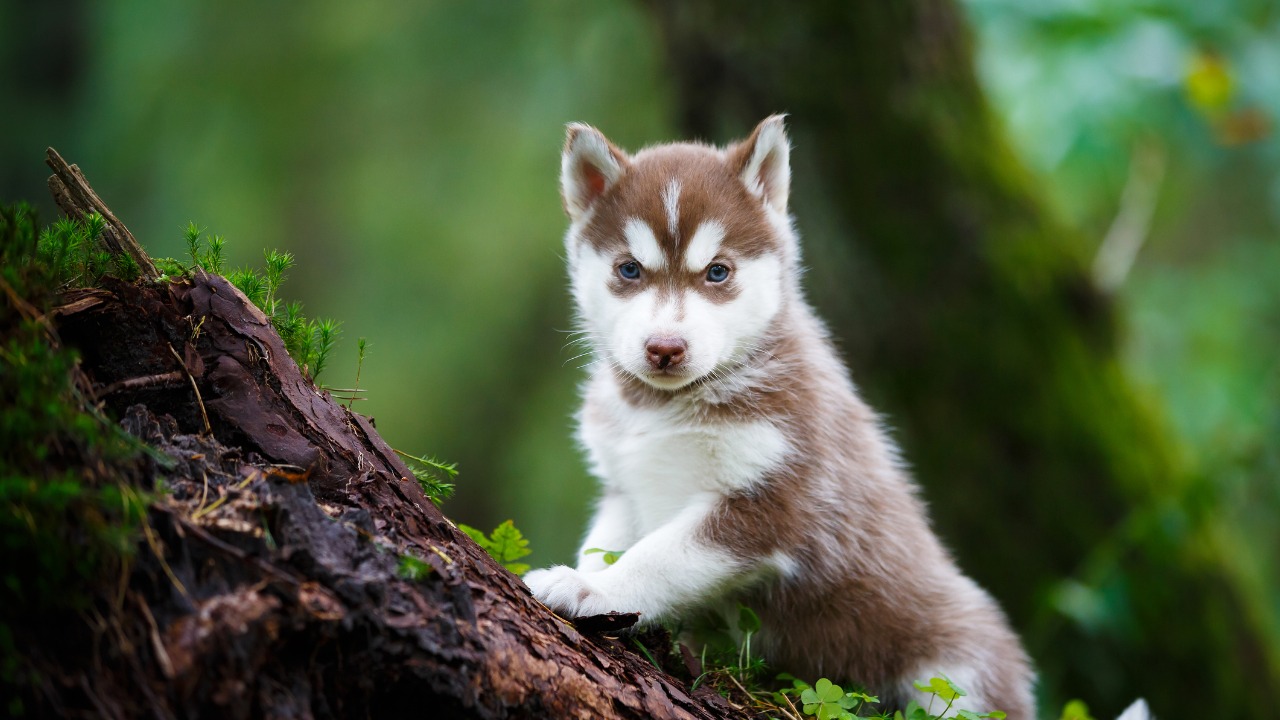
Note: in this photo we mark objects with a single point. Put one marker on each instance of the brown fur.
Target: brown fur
(709, 188)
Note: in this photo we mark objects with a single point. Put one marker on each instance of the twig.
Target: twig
(164, 564)
(93, 698)
(146, 381)
(27, 309)
(203, 536)
(202, 511)
(162, 655)
(448, 560)
(794, 712)
(199, 400)
(1132, 224)
(204, 491)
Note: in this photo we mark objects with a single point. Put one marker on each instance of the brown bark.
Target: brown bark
(268, 582)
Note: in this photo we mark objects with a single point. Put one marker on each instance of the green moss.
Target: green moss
(69, 507)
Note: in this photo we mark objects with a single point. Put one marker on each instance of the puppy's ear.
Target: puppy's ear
(763, 162)
(589, 166)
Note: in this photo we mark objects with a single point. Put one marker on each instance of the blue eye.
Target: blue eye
(629, 270)
(717, 273)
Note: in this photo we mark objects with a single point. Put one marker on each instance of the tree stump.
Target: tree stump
(269, 581)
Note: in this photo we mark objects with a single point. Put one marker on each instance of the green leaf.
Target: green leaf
(943, 688)
(748, 620)
(610, 556)
(476, 535)
(505, 544)
(1076, 710)
(508, 543)
(994, 715)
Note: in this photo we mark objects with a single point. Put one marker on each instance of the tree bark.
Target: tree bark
(269, 581)
(968, 314)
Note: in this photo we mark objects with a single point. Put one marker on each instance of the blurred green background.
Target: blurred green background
(408, 153)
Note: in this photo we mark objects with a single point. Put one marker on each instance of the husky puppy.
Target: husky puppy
(737, 461)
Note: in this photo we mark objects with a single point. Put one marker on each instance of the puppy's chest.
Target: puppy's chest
(664, 461)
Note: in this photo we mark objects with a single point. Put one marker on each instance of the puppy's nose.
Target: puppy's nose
(665, 352)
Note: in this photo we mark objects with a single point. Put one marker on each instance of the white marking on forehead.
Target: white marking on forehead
(704, 246)
(643, 244)
(671, 201)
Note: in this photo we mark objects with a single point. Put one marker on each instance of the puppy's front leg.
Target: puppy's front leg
(613, 528)
(668, 569)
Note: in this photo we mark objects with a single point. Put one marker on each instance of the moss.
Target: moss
(69, 505)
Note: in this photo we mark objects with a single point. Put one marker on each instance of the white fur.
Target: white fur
(671, 203)
(704, 246)
(613, 528)
(718, 335)
(660, 460)
(1137, 711)
(666, 570)
(643, 244)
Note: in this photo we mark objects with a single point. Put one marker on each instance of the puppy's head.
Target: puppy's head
(680, 256)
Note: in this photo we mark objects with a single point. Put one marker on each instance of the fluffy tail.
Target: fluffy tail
(1137, 711)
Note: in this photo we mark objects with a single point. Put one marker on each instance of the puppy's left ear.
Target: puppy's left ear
(763, 162)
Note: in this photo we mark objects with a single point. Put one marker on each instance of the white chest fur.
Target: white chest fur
(663, 460)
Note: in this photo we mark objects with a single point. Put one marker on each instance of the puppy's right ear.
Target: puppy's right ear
(589, 167)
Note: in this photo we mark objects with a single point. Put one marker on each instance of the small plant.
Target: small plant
(412, 568)
(726, 661)
(748, 625)
(354, 393)
(505, 544)
(69, 250)
(308, 342)
(434, 476)
(610, 556)
(326, 335)
(828, 701)
(277, 263)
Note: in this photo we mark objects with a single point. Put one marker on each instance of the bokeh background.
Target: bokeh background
(1047, 236)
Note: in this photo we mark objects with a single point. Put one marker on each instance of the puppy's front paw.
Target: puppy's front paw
(566, 591)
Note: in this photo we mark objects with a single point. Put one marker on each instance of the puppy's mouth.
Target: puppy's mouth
(667, 381)
(667, 378)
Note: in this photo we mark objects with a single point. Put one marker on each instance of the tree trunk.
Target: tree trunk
(968, 314)
(271, 580)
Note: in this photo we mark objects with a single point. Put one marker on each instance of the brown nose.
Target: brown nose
(665, 353)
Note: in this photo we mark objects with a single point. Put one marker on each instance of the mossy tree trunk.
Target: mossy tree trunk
(288, 565)
(969, 317)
